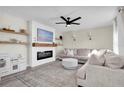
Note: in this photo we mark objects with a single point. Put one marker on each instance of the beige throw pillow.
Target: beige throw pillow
(101, 52)
(70, 52)
(95, 60)
(114, 61)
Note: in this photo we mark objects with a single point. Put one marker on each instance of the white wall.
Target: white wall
(13, 22)
(16, 24)
(59, 48)
(33, 39)
(101, 38)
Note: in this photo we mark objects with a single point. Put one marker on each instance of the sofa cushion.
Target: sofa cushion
(95, 60)
(70, 52)
(81, 57)
(64, 56)
(83, 52)
(114, 61)
(66, 50)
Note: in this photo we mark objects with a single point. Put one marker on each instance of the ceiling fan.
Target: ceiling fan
(68, 22)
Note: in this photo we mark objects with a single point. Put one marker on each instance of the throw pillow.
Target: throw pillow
(101, 52)
(65, 51)
(94, 51)
(109, 52)
(114, 61)
(94, 60)
(70, 52)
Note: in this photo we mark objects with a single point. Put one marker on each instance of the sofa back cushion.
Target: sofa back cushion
(83, 52)
(68, 51)
(114, 61)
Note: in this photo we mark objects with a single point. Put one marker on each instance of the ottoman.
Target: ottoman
(70, 63)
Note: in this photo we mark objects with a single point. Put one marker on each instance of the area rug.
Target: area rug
(48, 75)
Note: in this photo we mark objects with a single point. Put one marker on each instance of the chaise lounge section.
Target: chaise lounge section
(107, 70)
(99, 76)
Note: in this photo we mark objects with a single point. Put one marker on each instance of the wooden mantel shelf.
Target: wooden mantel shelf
(43, 45)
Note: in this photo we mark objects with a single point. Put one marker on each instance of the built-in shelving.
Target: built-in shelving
(9, 42)
(43, 45)
(12, 32)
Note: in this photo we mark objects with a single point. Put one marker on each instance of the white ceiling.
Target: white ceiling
(92, 16)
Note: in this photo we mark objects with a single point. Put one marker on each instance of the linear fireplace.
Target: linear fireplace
(44, 54)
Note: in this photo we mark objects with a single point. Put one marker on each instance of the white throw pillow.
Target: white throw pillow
(114, 61)
(101, 52)
(99, 55)
(70, 52)
(93, 52)
(95, 60)
(110, 53)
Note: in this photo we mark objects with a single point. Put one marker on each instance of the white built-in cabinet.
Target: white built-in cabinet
(10, 64)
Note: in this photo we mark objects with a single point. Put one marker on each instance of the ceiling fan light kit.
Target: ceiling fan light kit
(68, 22)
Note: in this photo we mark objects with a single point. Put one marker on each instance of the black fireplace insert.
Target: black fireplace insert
(44, 54)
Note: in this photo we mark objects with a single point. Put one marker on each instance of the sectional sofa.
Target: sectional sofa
(107, 70)
(80, 54)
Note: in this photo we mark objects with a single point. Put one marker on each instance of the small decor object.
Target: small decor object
(22, 30)
(8, 29)
(14, 40)
(74, 37)
(60, 37)
(90, 35)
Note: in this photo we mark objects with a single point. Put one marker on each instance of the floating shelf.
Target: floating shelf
(9, 42)
(43, 45)
(20, 33)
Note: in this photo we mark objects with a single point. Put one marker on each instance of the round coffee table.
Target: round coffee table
(70, 63)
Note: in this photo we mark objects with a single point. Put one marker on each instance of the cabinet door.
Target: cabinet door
(5, 70)
(14, 68)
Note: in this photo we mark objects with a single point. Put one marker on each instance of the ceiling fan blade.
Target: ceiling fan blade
(61, 23)
(75, 19)
(76, 23)
(63, 18)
